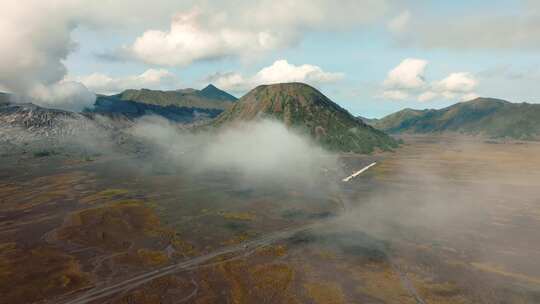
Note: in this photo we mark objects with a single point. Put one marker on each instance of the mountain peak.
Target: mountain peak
(288, 86)
(210, 87)
(211, 91)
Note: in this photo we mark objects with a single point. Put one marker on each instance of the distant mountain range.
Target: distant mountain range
(304, 108)
(208, 98)
(186, 105)
(297, 105)
(490, 117)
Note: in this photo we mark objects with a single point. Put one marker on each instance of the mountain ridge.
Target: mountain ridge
(495, 118)
(208, 98)
(183, 105)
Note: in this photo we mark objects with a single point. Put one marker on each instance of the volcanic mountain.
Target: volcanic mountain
(303, 108)
(490, 117)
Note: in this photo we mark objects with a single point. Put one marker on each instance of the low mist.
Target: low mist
(461, 200)
(261, 151)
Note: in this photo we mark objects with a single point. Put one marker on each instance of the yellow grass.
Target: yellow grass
(325, 292)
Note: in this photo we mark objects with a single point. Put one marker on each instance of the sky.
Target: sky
(373, 57)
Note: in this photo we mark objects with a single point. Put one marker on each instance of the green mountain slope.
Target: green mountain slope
(482, 116)
(207, 98)
(397, 121)
(304, 108)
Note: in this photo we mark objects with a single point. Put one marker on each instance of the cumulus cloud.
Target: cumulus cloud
(279, 71)
(457, 83)
(188, 40)
(214, 30)
(150, 79)
(409, 74)
(35, 41)
(36, 35)
(408, 79)
(282, 71)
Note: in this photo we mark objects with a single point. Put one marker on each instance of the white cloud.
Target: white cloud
(64, 95)
(188, 40)
(409, 74)
(282, 71)
(36, 34)
(457, 83)
(279, 71)
(400, 22)
(408, 79)
(150, 79)
(36, 40)
(214, 30)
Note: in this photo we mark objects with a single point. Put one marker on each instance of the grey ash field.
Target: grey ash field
(212, 218)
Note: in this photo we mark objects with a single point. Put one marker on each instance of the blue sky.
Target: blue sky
(371, 57)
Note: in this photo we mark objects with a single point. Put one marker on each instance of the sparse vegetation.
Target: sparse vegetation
(27, 275)
(112, 226)
(308, 111)
(325, 293)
